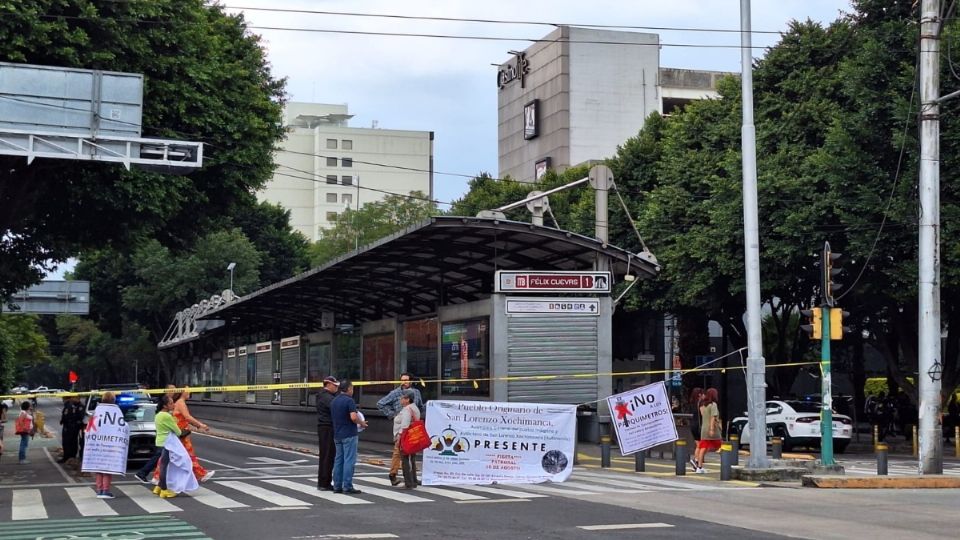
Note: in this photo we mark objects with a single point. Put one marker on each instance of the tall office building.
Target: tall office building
(578, 93)
(325, 166)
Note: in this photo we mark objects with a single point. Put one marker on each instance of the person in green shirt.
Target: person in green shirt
(166, 424)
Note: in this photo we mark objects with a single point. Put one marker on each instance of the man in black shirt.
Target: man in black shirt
(71, 418)
(325, 433)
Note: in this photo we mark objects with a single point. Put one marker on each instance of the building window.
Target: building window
(331, 216)
(331, 197)
(331, 179)
(418, 353)
(346, 198)
(347, 144)
(331, 144)
(346, 162)
(347, 180)
(465, 354)
(331, 162)
(378, 363)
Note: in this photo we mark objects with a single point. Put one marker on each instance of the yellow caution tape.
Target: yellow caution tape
(319, 384)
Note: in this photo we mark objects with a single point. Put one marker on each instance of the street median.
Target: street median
(881, 482)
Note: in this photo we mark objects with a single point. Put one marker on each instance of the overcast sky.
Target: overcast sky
(448, 85)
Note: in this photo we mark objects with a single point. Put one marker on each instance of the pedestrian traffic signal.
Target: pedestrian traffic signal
(827, 285)
(837, 329)
(815, 328)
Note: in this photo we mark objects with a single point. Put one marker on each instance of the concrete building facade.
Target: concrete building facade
(578, 93)
(325, 166)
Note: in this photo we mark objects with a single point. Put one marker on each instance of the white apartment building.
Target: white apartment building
(325, 166)
(580, 92)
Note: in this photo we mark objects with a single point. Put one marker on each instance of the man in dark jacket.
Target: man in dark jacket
(71, 418)
(325, 433)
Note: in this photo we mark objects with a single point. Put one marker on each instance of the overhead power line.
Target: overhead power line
(493, 21)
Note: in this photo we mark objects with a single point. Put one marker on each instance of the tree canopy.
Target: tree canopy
(205, 79)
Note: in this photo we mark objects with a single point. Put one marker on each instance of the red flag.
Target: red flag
(73, 377)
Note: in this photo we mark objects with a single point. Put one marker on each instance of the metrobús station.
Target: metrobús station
(459, 302)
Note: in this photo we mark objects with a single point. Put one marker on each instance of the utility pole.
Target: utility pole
(756, 366)
(929, 346)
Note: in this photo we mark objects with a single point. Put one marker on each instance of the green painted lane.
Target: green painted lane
(102, 528)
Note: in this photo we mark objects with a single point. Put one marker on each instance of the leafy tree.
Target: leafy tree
(372, 222)
(26, 348)
(205, 79)
(283, 250)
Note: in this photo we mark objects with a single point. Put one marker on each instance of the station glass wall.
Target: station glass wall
(465, 354)
(418, 354)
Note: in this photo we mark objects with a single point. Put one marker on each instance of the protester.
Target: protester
(184, 421)
(345, 417)
(104, 480)
(3, 422)
(408, 413)
(696, 396)
(151, 464)
(389, 405)
(166, 424)
(25, 429)
(328, 449)
(710, 432)
(71, 418)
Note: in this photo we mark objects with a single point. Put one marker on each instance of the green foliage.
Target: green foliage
(372, 222)
(23, 347)
(283, 251)
(205, 79)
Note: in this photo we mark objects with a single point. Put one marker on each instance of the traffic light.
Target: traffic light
(837, 329)
(815, 328)
(827, 285)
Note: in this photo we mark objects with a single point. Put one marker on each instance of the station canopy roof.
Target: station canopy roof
(444, 260)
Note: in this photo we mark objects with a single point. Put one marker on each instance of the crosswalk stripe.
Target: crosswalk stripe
(540, 488)
(144, 498)
(653, 481)
(395, 495)
(632, 485)
(214, 499)
(338, 498)
(503, 492)
(455, 495)
(87, 503)
(28, 504)
(601, 488)
(264, 494)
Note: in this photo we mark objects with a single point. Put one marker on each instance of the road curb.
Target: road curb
(881, 482)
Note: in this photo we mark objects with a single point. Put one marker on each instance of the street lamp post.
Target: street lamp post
(230, 267)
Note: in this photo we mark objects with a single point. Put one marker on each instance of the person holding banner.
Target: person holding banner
(105, 444)
(710, 434)
(408, 413)
(184, 420)
(166, 424)
(390, 406)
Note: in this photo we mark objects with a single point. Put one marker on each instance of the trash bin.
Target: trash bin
(588, 426)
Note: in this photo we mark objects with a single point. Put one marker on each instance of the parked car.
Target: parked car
(39, 389)
(797, 423)
(138, 411)
(19, 390)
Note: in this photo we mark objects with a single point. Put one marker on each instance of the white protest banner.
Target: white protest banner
(105, 441)
(480, 442)
(642, 418)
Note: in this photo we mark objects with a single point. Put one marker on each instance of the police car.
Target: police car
(797, 423)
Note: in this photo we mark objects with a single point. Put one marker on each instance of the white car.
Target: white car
(797, 423)
(40, 390)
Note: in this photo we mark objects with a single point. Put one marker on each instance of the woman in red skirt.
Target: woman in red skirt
(185, 421)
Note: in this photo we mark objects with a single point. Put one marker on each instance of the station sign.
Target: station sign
(553, 306)
(556, 281)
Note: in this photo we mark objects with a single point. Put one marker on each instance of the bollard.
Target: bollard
(881, 459)
(680, 453)
(726, 461)
(915, 441)
(605, 451)
(735, 449)
(876, 435)
(640, 461)
(776, 447)
(956, 441)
